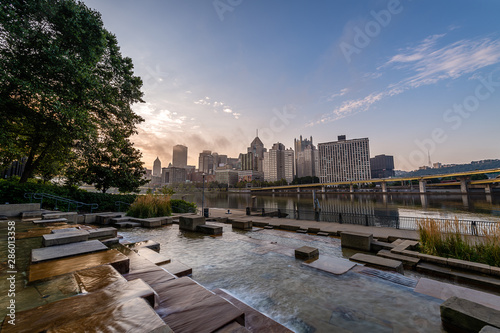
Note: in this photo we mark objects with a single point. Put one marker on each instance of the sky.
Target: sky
(418, 78)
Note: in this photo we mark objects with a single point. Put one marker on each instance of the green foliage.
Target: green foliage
(150, 205)
(181, 206)
(13, 192)
(445, 239)
(63, 83)
(305, 180)
(167, 190)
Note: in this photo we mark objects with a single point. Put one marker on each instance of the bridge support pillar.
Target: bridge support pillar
(487, 188)
(464, 185)
(422, 185)
(274, 190)
(351, 188)
(323, 189)
(384, 187)
(298, 189)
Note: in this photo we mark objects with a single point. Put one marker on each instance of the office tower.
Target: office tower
(306, 158)
(344, 160)
(382, 166)
(247, 161)
(278, 163)
(179, 156)
(157, 167)
(299, 146)
(258, 150)
(174, 175)
(206, 162)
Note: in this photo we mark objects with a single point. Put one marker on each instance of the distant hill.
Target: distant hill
(481, 165)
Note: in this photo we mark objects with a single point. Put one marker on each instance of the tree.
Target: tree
(63, 84)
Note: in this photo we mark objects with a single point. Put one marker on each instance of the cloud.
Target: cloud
(228, 110)
(426, 64)
(339, 94)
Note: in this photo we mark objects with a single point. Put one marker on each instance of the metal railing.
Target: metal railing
(120, 203)
(466, 227)
(60, 200)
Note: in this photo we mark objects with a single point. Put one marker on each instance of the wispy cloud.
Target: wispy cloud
(217, 106)
(339, 94)
(426, 64)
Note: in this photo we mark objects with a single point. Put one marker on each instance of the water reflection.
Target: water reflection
(482, 207)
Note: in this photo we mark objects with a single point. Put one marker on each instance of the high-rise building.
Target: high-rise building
(258, 150)
(382, 166)
(173, 175)
(306, 158)
(278, 163)
(179, 156)
(248, 161)
(229, 177)
(206, 162)
(344, 160)
(157, 167)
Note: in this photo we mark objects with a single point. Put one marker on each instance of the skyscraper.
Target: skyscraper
(157, 167)
(206, 162)
(306, 158)
(344, 160)
(382, 166)
(179, 156)
(258, 150)
(278, 163)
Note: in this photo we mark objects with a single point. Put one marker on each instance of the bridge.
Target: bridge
(463, 177)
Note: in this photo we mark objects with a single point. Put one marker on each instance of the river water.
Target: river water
(472, 207)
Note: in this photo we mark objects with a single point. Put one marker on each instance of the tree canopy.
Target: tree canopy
(64, 85)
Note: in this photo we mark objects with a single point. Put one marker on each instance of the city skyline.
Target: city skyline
(412, 76)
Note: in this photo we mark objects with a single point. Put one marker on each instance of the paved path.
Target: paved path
(330, 227)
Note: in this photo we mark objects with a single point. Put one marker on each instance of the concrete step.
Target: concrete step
(332, 265)
(177, 268)
(49, 269)
(209, 229)
(102, 232)
(255, 321)
(378, 245)
(480, 281)
(61, 238)
(378, 262)
(66, 250)
(155, 257)
(409, 262)
(50, 221)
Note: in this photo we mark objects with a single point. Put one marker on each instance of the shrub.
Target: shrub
(181, 206)
(150, 205)
(447, 239)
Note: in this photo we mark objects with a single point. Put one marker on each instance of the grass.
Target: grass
(150, 205)
(448, 239)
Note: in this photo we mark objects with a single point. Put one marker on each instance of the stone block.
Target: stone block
(210, 229)
(90, 218)
(44, 222)
(127, 224)
(62, 238)
(495, 271)
(241, 224)
(378, 262)
(66, 250)
(378, 245)
(332, 265)
(153, 256)
(105, 218)
(190, 222)
(433, 259)
(356, 240)
(57, 231)
(458, 314)
(110, 241)
(469, 265)
(289, 227)
(321, 233)
(16, 209)
(31, 214)
(177, 268)
(407, 261)
(146, 223)
(150, 244)
(70, 216)
(489, 329)
(301, 231)
(306, 253)
(115, 220)
(109, 232)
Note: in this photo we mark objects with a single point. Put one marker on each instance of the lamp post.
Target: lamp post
(203, 196)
